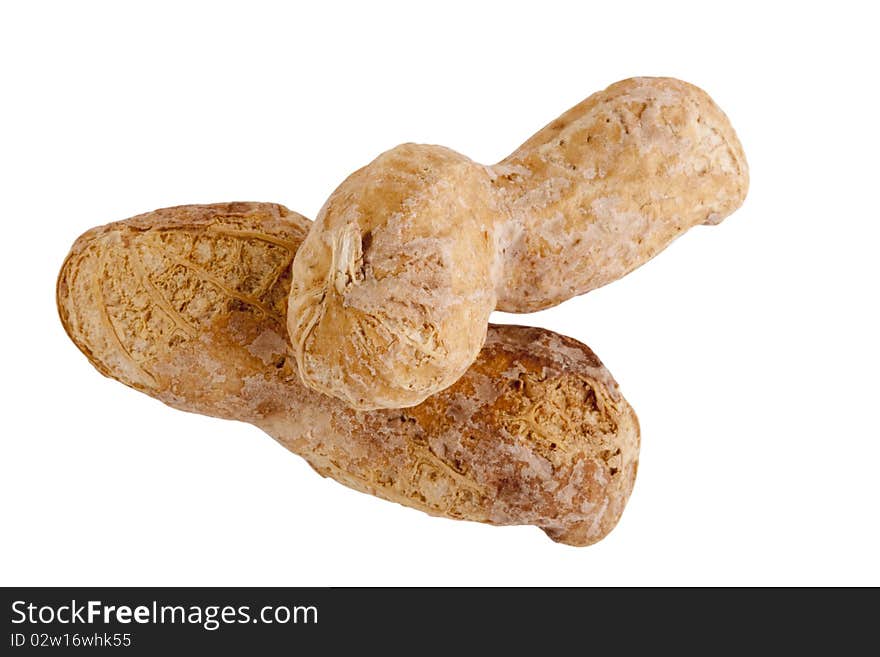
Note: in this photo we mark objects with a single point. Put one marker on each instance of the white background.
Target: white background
(749, 350)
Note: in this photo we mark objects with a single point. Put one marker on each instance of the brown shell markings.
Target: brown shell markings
(189, 306)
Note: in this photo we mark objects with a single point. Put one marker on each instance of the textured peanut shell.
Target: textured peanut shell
(188, 305)
(395, 282)
(378, 305)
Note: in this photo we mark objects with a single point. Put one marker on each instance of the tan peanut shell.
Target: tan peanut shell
(394, 284)
(188, 305)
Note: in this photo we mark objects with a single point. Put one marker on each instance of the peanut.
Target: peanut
(189, 304)
(394, 284)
